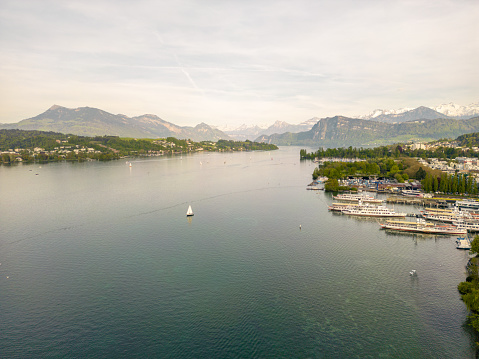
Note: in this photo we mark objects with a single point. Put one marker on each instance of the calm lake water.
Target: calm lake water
(99, 260)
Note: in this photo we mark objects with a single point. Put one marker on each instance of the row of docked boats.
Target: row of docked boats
(358, 204)
(457, 222)
(462, 219)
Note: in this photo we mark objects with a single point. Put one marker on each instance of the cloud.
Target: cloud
(247, 61)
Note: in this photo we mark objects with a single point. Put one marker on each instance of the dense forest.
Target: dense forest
(469, 140)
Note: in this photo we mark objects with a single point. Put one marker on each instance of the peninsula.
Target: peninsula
(40, 146)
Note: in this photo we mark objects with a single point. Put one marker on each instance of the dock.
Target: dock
(417, 201)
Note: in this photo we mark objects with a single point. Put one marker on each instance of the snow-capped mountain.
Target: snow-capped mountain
(450, 110)
(245, 132)
(378, 112)
(458, 111)
(444, 111)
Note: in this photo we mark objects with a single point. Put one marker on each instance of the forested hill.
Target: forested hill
(469, 140)
(343, 132)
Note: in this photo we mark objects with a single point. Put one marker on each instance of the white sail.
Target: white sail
(189, 212)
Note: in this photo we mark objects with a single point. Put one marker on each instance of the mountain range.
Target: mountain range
(450, 110)
(87, 121)
(342, 131)
(378, 127)
(249, 132)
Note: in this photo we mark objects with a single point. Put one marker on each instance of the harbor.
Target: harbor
(435, 217)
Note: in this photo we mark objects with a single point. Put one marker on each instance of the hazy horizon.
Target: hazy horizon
(234, 63)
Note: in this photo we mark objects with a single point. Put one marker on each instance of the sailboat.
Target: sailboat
(189, 212)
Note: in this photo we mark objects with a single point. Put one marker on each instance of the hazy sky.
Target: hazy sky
(233, 62)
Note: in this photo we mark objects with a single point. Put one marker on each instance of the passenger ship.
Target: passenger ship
(340, 207)
(470, 226)
(352, 197)
(448, 215)
(421, 226)
(373, 211)
(468, 204)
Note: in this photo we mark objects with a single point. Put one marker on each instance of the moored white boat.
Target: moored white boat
(463, 243)
(449, 216)
(468, 204)
(412, 193)
(421, 226)
(353, 197)
(341, 207)
(373, 211)
(470, 226)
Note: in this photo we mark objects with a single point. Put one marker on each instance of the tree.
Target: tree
(443, 183)
(394, 169)
(331, 185)
(469, 184)
(399, 178)
(462, 184)
(454, 184)
(435, 184)
(475, 246)
(5, 158)
(420, 174)
(427, 183)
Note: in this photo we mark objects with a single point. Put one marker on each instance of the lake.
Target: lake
(98, 259)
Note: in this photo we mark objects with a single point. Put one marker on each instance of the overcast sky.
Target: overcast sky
(233, 62)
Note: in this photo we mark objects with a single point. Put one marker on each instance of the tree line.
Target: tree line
(384, 167)
(61, 147)
(469, 289)
(396, 151)
(459, 183)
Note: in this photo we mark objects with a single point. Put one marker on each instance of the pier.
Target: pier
(418, 201)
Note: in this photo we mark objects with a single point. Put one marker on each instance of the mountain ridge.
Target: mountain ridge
(341, 131)
(450, 109)
(90, 121)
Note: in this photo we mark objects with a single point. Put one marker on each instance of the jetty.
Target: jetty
(417, 201)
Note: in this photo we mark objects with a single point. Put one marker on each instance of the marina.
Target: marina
(451, 221)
